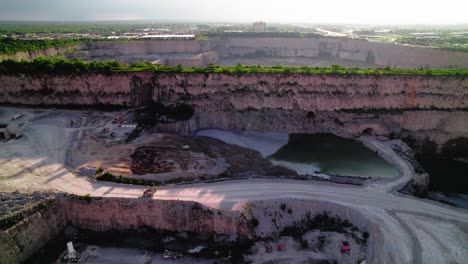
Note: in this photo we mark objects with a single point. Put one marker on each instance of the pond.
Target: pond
(311, 154)
(333, 155)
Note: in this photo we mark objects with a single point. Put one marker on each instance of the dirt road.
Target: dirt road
(405, 229)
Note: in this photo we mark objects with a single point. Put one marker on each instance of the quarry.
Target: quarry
(313, 51)
(174, 167)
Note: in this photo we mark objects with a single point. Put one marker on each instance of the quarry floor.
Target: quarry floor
(407, 229)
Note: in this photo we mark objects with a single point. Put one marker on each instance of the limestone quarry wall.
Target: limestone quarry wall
(24, 239)
(383, 54)
(120, 214)
(115, 89)
(312, 93)
(21, 241)
(198, 60)
(377, 53)
(417, 107)
(31, 55)
(420, 107)
(114, 48)
(192, 53)
(221, 92)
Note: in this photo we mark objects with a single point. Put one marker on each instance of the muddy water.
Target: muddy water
(311, 154)
(333, 155)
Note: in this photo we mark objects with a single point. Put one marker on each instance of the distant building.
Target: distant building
(259, 26)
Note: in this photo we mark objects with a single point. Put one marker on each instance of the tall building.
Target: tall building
(259, 26)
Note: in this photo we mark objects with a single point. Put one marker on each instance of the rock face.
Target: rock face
(22, 240)
(192, 53)
(31, 55)
(120, 214)
(19, 242)
(115, 89)
(421, 109)
(376, 53)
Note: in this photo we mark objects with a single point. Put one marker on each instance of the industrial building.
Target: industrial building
(259, 26)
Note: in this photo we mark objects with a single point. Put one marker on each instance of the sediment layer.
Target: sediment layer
(429, 111)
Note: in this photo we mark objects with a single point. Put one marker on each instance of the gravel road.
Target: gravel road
(405, 229)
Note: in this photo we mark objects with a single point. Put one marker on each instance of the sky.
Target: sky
(284, 11)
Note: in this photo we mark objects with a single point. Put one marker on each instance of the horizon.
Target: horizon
(146, 21)
(364, 12)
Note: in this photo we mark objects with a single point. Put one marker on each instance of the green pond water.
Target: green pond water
(332, 155)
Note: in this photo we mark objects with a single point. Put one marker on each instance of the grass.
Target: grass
(61, 66)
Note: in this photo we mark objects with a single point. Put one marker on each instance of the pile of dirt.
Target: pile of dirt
(154, 159)
(182, 158)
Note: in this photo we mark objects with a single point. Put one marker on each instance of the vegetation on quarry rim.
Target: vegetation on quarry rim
(77, 66)
(11, 45)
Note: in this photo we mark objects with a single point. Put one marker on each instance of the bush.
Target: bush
(304, 243)
(365, 235)
(85, 197)
(77, 66)
(283, 207)
(255, 222)
(107, 176)
(11, 45)
(322, 242)
(322, 222)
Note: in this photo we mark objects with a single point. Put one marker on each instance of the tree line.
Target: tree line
(11, 45)
(77, 66)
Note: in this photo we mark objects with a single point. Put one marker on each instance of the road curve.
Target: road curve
(405, 229)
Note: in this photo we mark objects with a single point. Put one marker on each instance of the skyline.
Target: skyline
(241, 11)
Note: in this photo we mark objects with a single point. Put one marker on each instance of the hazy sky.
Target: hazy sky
(305, 11)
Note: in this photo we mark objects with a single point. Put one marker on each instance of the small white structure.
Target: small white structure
(14, 130)
(9, 131)
(71, 255)
(71, 251)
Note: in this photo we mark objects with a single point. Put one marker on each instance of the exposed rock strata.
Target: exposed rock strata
(34, 54)
(420, 108)
(19, 242)
(103, 214)
(117, 213)
(377, 53)
(197, 53)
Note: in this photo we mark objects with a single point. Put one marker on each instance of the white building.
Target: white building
(259, 26)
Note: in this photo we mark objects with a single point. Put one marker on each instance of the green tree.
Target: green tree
(335, 68)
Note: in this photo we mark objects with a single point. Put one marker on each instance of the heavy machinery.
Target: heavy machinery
(172, 255)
